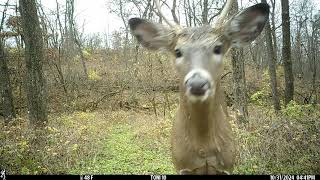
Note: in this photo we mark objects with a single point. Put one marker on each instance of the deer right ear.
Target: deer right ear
(247, 25)
(150, 35)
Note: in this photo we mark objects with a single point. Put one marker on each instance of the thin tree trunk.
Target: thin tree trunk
(205, 12)
(6, 97)
(272, 65)
(190, 13)
(173, 12)
(185, 12)
(34, 55)
(273, 31)
(286, 52)
(125, 49)
(297, 51)
(144, 14)
(314, 70)
(194, 14)
(74, 36)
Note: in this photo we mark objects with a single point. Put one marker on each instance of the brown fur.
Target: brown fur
(202, 137)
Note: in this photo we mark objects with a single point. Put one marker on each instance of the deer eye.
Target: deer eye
(178, 53)
(217, 50)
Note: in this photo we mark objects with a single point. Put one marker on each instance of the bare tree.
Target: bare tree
(73, 34)
(286, 52)
(314, 55)
(122, 10)
(34, 56)
(6, 97)
(172, 10)
(205, 12)
(273, 30)
(272, 65)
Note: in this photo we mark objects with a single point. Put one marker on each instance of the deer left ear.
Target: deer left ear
(247, 25)
(152, 36)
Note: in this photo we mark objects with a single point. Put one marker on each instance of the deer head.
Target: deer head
(199, 51)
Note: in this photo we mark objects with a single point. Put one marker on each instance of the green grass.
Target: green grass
(124, 153)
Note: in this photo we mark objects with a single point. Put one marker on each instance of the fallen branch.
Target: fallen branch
(94, 104)
(223, 76)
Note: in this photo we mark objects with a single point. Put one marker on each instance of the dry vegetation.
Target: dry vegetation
(118, 121)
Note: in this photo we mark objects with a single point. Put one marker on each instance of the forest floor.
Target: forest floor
(98, 142)
(136, 141)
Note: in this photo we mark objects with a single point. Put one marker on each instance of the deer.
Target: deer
(201, 138)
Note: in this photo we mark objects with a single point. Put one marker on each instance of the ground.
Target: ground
(137, 141)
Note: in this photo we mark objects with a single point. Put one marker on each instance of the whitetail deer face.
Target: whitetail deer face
(199, 51)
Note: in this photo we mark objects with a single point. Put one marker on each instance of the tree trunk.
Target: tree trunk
(286, 52)
(189, 13)
(205, 12)
(239, 82)
(34, 55)
(6, 97)
(173, 12)
(297, 53)
(272, 65)
(273, 31)
(126, 41)
(314, 45)
(186, 12)
(194, 14)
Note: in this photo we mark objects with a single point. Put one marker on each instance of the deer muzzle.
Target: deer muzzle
(198, 85)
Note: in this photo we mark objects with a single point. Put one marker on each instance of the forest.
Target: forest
(74, 102)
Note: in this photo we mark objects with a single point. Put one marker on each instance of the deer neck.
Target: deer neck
(201, 118)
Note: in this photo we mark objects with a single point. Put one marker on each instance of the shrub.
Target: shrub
(296, 111)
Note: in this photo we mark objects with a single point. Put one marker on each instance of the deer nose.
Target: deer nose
(197, 85)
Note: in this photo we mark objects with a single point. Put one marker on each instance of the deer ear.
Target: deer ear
(247, 25)
(150, 35)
